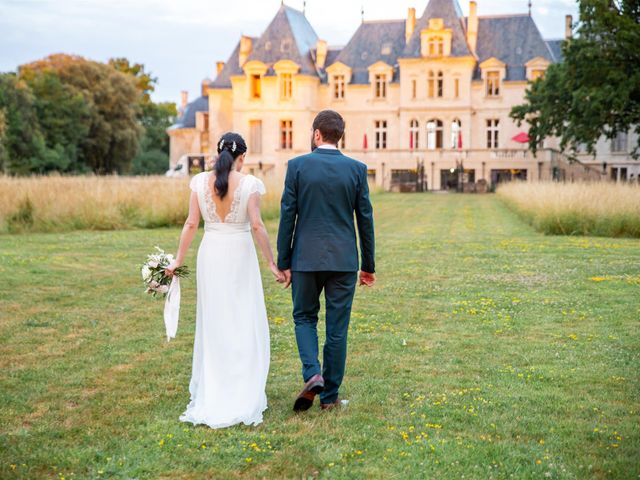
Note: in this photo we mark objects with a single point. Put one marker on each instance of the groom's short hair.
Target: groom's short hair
(331, 126)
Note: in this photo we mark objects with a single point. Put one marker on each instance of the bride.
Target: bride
(231, 347)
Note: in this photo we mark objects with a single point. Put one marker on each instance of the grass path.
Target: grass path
(487, 350)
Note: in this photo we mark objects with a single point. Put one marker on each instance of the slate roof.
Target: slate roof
(332, 54)
(451, 14)
(188, 117)
(556, 48)
(512, 39)
(289, 36)
(231, 67)
(373, 41)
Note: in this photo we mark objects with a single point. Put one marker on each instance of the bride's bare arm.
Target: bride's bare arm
(261, 235)
(188, 232)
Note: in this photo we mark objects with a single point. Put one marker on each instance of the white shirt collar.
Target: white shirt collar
(328, 146)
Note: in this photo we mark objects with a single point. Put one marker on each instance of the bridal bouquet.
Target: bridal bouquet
(157, 282)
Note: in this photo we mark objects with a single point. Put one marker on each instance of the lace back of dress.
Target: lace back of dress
(234, 211)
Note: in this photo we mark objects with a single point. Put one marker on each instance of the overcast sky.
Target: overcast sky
(179, 41)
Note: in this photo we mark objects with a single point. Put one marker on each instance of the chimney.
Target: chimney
(219, 67)
(246, 45)
(204, 86)
(321, 53)
(472, 26)
(568, 27)
(184, 99)
(410, 24)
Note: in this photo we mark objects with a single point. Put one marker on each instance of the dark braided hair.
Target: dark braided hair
(230, 146)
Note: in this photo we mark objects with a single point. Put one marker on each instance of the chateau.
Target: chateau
(426, 100)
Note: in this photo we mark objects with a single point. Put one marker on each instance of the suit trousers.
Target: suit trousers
(339, 289)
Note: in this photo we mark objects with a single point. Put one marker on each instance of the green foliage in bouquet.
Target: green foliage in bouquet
(153, 272)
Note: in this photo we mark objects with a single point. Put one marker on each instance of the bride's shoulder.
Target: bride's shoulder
(197, 180)
(255, 184)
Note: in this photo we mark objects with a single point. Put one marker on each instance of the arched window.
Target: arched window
(456, 134)
(414, 134)
(434, 134)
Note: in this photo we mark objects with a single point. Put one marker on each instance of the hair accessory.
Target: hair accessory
(233, 147)
(221, 145)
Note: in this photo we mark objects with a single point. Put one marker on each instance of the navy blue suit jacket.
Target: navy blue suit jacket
(322, 192)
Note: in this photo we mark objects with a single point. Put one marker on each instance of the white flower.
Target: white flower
(154, 284)
(153, 264)
(163, 288)
(146, 273)
(170, 257)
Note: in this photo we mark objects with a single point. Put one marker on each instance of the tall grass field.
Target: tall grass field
(64, 203)
(485, 351)
(600, 209)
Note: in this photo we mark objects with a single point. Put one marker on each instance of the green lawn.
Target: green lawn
(485, 351)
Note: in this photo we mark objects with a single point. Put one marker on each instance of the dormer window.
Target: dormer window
(254, 70)
(339, 77)
(536, 68)
(380, 85)
(286, 86)
(256, 86)
(285, 71)
(436, 46)
(493, 73)
(435, 41)
(380, 74)
(338, 87)
(493, 84)
(536, 74)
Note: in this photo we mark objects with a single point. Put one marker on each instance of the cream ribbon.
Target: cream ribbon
(172, 308)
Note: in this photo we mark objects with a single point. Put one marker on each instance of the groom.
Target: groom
(317, 251)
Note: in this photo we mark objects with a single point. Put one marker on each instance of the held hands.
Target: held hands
(367, 279)
(287, 278)
(279, 275)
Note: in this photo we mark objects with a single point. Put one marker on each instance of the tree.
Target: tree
(23, 146)
(112, 97)
(153, 153)
(3, 137)
(157, 117)
(150, 162)
(595, 91)
(145, 83)
(63, 116)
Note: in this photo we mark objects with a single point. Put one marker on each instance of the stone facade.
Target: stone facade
(426, 100)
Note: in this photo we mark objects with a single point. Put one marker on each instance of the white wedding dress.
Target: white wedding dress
(231, 347)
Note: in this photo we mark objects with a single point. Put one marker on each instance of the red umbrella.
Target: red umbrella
(522, 137)
(365, 144)
(410, 140)
(460, 140)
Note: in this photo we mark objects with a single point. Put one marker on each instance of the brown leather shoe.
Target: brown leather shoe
(337, 404)
(314, 386)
